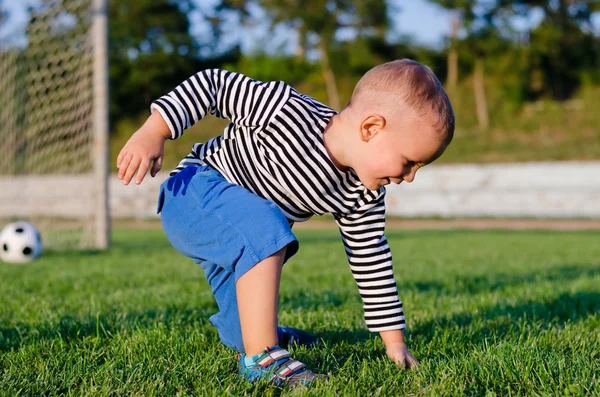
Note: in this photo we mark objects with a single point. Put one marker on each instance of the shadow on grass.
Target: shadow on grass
(499, 281)
(510, 322)
(70, 329)
(466, 331)
(348, 336)
(309, 300)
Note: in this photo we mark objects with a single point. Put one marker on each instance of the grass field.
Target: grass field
(490, 313)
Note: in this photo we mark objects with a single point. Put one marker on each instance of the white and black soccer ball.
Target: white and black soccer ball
(20, 242)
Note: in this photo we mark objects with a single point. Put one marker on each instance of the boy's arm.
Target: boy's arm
(370, 261)
(224, 94)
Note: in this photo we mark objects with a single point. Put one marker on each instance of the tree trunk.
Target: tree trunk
(480, 99)
(453, 54)
(301, 49)
(330, 84)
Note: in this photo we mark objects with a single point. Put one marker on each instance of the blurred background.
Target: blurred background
(523, 77)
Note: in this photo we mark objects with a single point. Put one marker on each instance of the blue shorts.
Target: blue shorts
(224, 228)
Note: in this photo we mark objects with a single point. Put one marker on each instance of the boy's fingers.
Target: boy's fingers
(156, 167)
(120, 157)
(124, 165)
(133, 166)
(411, 362)
(142, 171)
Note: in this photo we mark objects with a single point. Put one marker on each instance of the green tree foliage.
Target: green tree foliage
(321, 26)
(550, 60)
(563, 52)
(482, 41)
(150, 50)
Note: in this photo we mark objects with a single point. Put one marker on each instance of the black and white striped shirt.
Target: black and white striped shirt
(274, 148)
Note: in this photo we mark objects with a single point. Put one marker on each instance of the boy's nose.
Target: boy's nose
(410, 176)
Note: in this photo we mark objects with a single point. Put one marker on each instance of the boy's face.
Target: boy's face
(395, 151)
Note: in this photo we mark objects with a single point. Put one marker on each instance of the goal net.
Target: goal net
(53, 128)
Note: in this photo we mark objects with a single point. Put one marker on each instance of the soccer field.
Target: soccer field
(489, 313)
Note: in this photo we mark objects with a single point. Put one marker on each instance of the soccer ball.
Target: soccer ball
(20, 242)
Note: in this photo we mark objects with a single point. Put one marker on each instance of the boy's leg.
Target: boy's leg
(214, 222)
(257, 298)
(227, 319)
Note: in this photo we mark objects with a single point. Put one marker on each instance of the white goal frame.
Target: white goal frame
(64, 192)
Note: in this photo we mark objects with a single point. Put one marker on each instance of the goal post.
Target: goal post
(101, 133)
(54, 121)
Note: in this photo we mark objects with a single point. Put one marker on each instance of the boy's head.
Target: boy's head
(403, 120)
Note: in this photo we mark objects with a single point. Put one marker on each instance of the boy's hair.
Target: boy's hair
(418, 88)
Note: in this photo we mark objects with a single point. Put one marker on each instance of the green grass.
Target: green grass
(490, 313)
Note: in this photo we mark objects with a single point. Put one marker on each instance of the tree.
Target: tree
(562, 47)
(319, 23)
(482, 39)
(453, 53)
(150, 51)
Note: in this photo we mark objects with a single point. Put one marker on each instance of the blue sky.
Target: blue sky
(425, 22)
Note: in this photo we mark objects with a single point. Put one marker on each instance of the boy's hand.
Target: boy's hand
(400, 355)
(145, 146)
(396, 349)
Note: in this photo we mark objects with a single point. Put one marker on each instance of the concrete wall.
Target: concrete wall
(72, 196)
(557, 190)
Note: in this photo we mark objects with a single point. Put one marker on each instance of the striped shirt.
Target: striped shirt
(274, 147)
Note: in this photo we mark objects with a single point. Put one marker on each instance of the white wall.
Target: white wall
(557, 190)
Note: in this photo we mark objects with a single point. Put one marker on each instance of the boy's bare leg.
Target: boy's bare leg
(257, 296)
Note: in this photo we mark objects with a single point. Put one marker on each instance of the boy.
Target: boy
(283, 158)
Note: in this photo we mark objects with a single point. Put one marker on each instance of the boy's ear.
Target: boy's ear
(371, 126)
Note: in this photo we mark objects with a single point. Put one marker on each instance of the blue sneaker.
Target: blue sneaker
(289, 336)
(278, 367)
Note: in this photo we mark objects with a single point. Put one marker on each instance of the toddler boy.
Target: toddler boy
(230, 204)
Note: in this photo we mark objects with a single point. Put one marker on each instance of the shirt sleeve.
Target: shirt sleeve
(224, 94)
(370, 261)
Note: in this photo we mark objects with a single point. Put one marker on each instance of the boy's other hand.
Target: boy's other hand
(396, 349)
(399, 354)
(146, 146)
